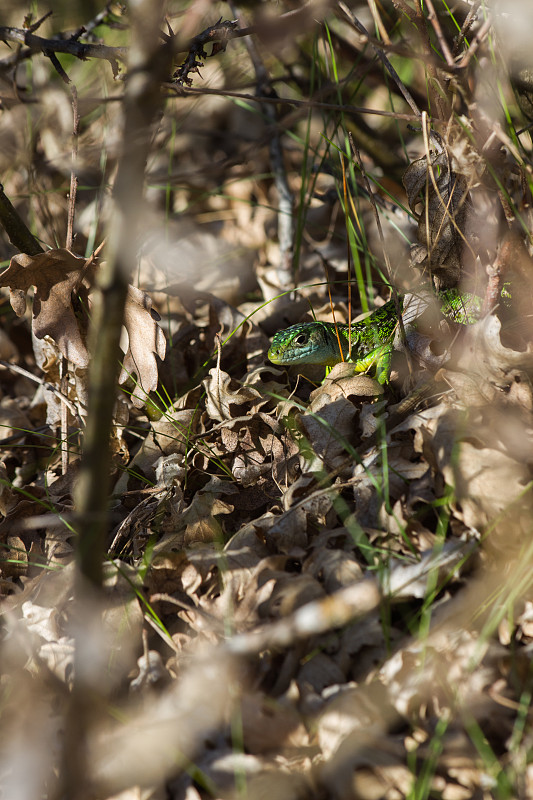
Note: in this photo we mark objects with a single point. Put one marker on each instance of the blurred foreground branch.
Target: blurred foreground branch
(151, 61)
(15, 227)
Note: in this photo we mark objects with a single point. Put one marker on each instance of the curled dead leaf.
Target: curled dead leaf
(441, 229)
(225, 398)
(145, 341)
(329, 425)
(484, 355)
(57, 276)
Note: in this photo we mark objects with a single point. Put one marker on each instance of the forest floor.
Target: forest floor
(311, 586)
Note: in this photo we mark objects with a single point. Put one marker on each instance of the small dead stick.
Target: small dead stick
(285, 201)
(465, 29)
(73, 170)
(289, 101)
(382, 57)
(63, 366)
(47, 385)
(479, 37)
(18, 233)
(433, 18)
(378, 22)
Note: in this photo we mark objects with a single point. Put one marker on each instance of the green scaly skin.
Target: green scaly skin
(371, 339)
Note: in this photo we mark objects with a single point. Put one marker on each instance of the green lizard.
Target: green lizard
(371, 339)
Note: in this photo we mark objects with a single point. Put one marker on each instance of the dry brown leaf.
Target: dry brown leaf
(57, 276)
(198, 522)
(319, 672)
(171, 434)
(12, 418)
(484, 356)
(368, 766)
(7, 495)
(14, 558)
(488, 487)
(270, 726)
(8, 349)
(291, 592)
(48, 358)
(150, 746)
(253, 441)
(330, 428)
(441, 225)
(352, 708)
(145, 341)
(199, 518)
(225, 397)
(335, 568)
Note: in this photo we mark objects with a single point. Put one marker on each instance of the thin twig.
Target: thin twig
(382, 57)
(348, 109)
(465, 29)
(19, 234)
(476, 41)
(68, 245)
(378, 22)
(433, 18)
(73, 168)
(142, 105)
(101, 19)
(285, 200)
(43, 382)
(63, 415)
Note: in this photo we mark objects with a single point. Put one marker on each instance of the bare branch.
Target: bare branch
(36, 44)
(285, 199)
(218, 34)
(15, 227)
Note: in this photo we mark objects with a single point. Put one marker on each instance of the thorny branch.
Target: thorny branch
(218, 34)
(81, 50)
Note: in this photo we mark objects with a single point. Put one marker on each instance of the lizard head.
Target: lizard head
(307, 343)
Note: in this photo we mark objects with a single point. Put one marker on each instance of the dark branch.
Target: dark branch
(219, 33)
(15, 227)
(80, 50)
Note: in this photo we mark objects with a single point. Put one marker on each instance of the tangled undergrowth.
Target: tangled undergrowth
(312, 587)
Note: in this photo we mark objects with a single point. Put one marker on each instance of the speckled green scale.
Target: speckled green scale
(367, 343)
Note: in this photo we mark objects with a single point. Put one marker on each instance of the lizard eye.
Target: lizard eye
(300, 339)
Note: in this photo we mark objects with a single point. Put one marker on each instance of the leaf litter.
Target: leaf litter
(300, 597)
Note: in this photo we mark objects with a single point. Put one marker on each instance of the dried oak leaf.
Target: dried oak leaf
(329, 424)
(226, 399)
(57, 276)
(198, 522)
(441, 229)
(268, 726)
(146, 340)
(486, 357)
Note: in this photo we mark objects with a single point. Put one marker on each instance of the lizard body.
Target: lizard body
(366, 344)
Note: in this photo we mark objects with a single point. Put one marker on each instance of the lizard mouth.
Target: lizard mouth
(283, 356)
(299, 355)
